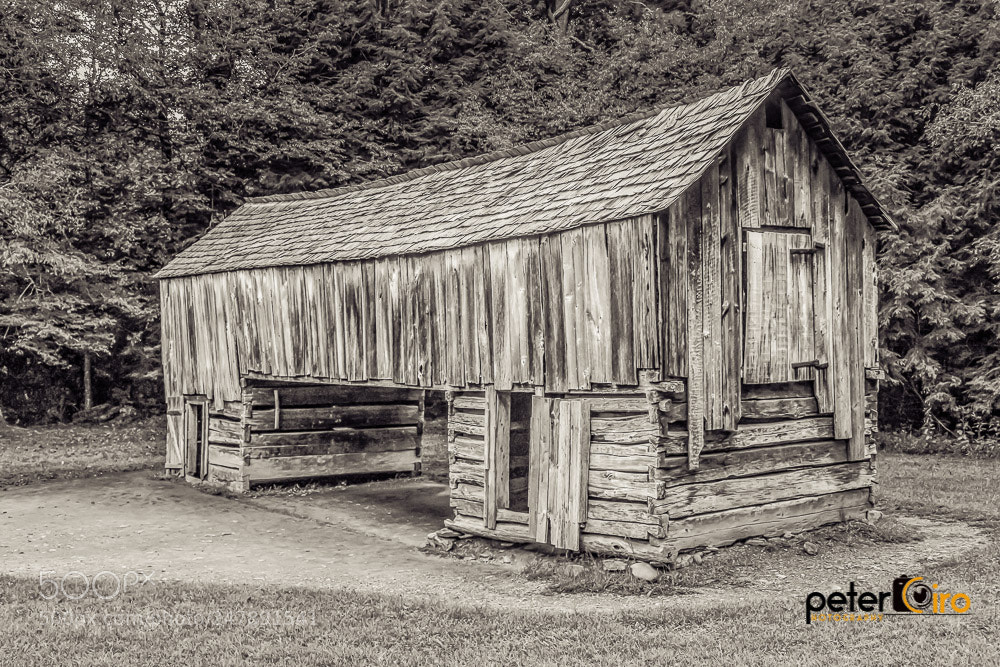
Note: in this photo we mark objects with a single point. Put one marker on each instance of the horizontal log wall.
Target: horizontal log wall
(299, 432)
(626, 433)
(566, 310)
(781, 470)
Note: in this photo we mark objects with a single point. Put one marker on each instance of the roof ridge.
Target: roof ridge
(774, 76)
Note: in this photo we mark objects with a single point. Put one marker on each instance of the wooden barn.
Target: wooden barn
(653, 334)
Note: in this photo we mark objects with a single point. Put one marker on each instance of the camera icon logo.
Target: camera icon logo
(911, 595)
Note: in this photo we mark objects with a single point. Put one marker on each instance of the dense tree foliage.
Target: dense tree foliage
(129, 127)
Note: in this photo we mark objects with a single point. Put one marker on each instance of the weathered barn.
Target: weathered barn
(655, 334)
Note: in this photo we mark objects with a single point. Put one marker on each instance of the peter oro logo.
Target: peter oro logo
(909, 596)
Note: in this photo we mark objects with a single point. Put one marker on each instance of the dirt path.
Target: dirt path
(362, 537)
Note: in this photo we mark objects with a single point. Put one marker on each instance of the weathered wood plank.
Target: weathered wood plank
(466, 402)
(869, 276)
(296, 467)
(467, 472)
(625, 547)
(578, 341)
(463, 506)
(624, 430)
(223, 474)
(518, 333)
(753, 392)
(335, 441)
(840, 364)
(485, 324)
(539, 455)
(617, 449)
(326, 395)
(689, 499)
(774, 433)
(750, 462)
(621, 244)
(637, 531)
(611, 485)
(502, 354)
(723, 528)
(537, 305)
(711, 293)
(732, 295)
(596, 281)
(617, 510)
(695, 329)
(472, 449)
(505, 532)
(555, 348)
(750, 171)
(780, 408)
(857, 223)
(465, 491)
(302, 419)
(645, 302)
(639, 462)
(674, 287)
(229, 457)
(612, 403)
(497, 453)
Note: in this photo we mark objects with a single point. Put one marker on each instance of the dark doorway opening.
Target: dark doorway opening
(520, 447)
(196, 439)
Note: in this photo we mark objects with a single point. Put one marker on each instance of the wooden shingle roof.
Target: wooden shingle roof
(629, 167)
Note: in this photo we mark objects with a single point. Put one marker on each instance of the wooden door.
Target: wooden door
(558, 461)
(558, 469)
(779, 326)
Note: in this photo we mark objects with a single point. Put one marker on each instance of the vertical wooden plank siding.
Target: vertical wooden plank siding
(622, 283)
(540, 455)
(822, 295)
(578, 352)
(645, 304)
(840, 324)
(801, 307)
(554, 346)
(502, 353)
(802, 175)
(563, 311)
(518, 341)
(596, 274)
(453, 342)
(732, 298)
(779, 309)
(695, 329)
(674, 289)
(856, 280)
(568, 505)
(712, 278)
(749, 148)
(485, 324)
(384, 317)
(537, 306)
(870, 298)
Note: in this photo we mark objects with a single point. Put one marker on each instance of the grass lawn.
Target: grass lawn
(164, 623)
(79, 450)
